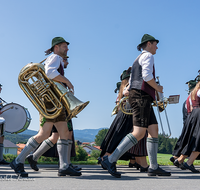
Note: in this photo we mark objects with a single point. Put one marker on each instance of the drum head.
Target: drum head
(15, 117)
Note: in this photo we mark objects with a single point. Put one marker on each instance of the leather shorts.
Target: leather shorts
(141, 103)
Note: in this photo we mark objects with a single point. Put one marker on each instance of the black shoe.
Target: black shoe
(136, 165)
(191, 168)
(144, 169)
(19, 169)
(75, 167)
(172, 159)
(99, 162)
(159, 171)
(179, 165)
(3, 162)
(69, 171)
(111, 167)
(32, 162)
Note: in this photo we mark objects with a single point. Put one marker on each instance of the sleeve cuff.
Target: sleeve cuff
(53, 74)
(148, 78)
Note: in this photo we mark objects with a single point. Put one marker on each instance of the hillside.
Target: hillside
(85, 135)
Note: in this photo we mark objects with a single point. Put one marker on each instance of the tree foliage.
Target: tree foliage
(166, 145)
(81, 154)
(100, 136)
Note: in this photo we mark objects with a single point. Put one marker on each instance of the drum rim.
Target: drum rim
(27, 121)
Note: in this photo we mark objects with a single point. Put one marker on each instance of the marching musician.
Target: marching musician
(52, 140)
(54, 70)
(2, 161)
(141, 95)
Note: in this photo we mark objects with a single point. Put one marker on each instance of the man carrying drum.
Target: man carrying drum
(2, 161)
(54, 70)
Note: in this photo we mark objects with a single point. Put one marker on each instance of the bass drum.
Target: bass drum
(2, 121)
(17, 118)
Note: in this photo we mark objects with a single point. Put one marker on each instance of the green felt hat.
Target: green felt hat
(118, 87)
(125, 75)
(191, 84)
(55, 41)
(147, 38)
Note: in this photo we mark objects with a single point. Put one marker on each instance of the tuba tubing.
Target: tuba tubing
(40, 90)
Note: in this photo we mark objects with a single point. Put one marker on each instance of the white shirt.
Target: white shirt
(52, 64)
(146, 60)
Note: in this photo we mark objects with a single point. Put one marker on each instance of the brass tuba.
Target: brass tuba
(40, 89)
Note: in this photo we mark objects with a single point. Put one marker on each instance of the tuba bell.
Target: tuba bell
(40, 89)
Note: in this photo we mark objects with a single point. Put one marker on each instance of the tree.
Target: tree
(100, 136)
(81, 154)
(95, 154)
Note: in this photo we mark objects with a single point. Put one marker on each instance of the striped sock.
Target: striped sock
(152, 149)
(62, 147)
(46, 145)
(69, 151)
(128, 141)
(31, 145)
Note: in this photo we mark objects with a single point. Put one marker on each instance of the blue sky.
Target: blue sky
(103, 37)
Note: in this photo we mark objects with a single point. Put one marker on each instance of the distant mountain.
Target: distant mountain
(29, 132)
(85, 135)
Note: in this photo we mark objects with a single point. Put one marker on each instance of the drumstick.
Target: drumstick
(8, 109)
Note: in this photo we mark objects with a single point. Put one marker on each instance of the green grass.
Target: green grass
(163, 159)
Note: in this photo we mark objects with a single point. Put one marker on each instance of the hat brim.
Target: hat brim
(59, 43)
(147, 41)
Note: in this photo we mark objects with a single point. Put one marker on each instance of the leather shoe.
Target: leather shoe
(99, 162)
(136, 165)
(3, 162)
(75, 167)
(111, 167)
(144, 169)
(159, 172)
(191, 168)
(179, 165)
(32, 162)
(19, 169)
(68, 171)
(172, 159)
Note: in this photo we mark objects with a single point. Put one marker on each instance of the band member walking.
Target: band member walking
(190, 141)
(141, 95)
(2, 161)
(120, 127)
(50, 143)
(54, 70)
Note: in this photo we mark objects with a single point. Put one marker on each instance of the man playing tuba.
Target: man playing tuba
(54, 70)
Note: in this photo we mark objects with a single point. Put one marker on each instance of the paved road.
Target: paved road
(94, 177)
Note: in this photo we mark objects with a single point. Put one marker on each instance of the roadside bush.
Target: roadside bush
(81, 154)
(9, 157)
(95, 154)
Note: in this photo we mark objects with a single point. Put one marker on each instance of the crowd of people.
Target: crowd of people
(130, 137)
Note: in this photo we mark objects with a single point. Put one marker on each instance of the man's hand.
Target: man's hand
(126, 92)
(157, 87)
(1, 112)
(63, 79)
